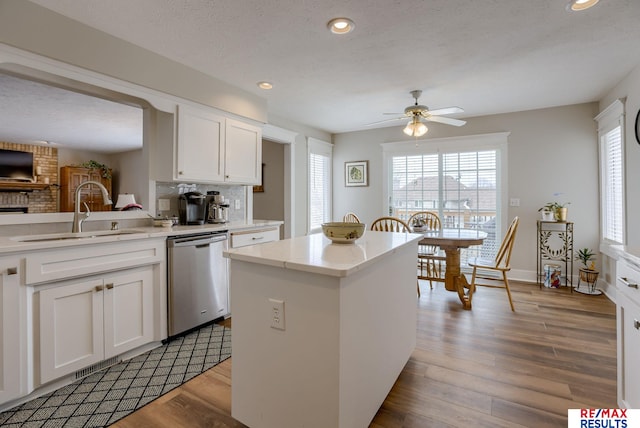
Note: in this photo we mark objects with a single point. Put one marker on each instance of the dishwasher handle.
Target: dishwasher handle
(195, 241)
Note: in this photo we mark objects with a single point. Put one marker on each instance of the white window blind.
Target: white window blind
(610, 125)
(612, 209)
(320, 159)
(461, 187)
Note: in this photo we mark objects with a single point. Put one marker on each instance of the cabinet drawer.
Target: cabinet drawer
(72, 262)
(628, 279)
(251, 237)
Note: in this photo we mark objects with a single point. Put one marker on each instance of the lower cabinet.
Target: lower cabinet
(11, 329)
(86, 321)
(628, 331)
(628, 352)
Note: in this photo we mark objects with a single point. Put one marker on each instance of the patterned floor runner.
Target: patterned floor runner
(104, 397)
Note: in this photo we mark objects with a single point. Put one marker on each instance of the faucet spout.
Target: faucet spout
(79, 216)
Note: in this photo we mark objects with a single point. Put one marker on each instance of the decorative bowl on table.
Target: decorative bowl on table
(343, 233)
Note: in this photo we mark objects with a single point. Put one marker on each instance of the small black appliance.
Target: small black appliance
(192, 208)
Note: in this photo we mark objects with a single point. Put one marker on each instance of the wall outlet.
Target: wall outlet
(514, 202)
(277, 313)
(237, 204)
(164, 205)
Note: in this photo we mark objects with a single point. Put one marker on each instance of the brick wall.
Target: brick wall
(38, 201)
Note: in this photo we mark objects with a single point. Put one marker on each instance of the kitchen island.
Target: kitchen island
(321, 331)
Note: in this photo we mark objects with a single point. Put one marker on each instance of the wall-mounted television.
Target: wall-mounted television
(16, 165)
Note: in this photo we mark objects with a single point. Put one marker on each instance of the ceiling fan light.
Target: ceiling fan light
(415, 128)
(578, 5)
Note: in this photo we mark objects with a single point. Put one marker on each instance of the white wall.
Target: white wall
(72, 42)
(549, 151)
(629, 88)
(301, 173)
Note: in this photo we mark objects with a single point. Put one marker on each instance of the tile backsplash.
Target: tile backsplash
(172, 191)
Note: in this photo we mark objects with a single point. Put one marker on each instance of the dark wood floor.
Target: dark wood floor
(485, 367)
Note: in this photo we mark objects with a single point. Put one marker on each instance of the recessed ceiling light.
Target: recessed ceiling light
(265, 85)
(341, 25)
(577, 5)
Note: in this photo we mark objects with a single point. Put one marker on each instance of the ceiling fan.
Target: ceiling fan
(417, 112)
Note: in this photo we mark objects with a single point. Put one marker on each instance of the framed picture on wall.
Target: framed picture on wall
(356, 173)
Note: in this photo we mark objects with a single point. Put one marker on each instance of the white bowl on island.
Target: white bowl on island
(343, 233)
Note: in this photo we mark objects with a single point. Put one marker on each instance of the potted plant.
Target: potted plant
(588, 272)
(547, 211)
(587, 257)
(559, 211)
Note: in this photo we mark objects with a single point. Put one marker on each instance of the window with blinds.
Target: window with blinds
(612, 186)
(461, 187)
(611, 141)
(320, 158)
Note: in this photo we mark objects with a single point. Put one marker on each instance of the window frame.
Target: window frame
(322, 148)
(609, 119)
(494, 141)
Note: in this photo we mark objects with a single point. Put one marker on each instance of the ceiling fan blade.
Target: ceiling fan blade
(446, 110)
(392, 113)
(446, 120)
(386, 120)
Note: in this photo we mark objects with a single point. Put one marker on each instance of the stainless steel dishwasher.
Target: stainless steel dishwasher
(197, 280)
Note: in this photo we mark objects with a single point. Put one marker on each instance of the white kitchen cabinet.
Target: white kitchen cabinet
(243, 153)
(200, 145)
(86, 321)
(212, 148)
(11, 329)
(628, 329)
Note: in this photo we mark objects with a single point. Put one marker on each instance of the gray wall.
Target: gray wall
(549, 151)
(269, 205)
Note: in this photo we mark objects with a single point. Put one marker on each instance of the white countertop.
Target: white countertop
(316, 254)
(12, 244)
(630, 254)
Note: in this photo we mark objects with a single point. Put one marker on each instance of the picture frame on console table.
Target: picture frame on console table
(356, 173)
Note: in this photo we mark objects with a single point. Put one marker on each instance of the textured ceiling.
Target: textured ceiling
(488, 57)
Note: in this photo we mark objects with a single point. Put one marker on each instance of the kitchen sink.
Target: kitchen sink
(74, 236)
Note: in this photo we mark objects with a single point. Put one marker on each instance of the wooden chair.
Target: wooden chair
(390, 224)
(500, 264)
(431, 261)
(351, 218)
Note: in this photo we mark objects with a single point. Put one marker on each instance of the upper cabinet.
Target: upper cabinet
(211, 148)
(200, 145)
(243, 154)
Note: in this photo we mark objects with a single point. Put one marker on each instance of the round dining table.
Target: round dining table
(451, 241)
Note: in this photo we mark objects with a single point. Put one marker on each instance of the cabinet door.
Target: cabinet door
(628, 352)
(200, 147)
(71, 178)
(10, 330)
(128, 310)
(71, 328)
(243, 153)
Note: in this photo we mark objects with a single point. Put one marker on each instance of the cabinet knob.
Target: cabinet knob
(636, 324)
(99, 287)
(109, 286)
(180, 172)
(256, 238)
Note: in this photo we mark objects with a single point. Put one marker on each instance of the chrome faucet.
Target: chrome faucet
(78, 216)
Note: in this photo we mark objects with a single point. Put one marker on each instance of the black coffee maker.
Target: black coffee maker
(192, 208)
